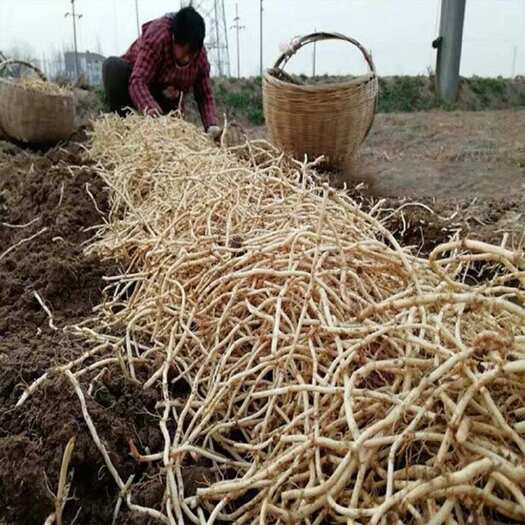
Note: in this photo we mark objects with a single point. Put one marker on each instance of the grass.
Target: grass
(406, 94)
(245, 102)
(99, 91)
(488, 90)
(488, 86)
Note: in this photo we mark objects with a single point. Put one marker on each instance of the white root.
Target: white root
(46, 310)
(21, 242)
(328, 373)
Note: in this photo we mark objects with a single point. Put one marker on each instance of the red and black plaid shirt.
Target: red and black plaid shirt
(154, 66)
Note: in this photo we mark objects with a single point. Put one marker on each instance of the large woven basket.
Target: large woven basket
(329, 120)
(31, 116)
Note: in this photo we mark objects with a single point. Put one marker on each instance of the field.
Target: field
(451, 172)
(468, 167)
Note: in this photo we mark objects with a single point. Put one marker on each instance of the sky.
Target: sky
(398, 32)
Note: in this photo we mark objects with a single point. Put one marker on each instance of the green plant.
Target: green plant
(244, 102)
(404, 94)
(101, 95)
(256, 116)
(488, 89)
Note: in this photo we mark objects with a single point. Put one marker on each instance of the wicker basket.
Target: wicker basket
(330, 120)
(32, 116)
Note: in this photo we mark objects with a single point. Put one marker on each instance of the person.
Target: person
(161, 66)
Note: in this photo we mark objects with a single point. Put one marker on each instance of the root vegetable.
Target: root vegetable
(333, 375)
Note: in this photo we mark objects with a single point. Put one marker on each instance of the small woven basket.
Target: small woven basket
(330, 120)
(31, 116)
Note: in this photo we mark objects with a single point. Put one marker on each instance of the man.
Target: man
(166, 61)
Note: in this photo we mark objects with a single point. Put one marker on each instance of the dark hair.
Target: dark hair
(188, 28)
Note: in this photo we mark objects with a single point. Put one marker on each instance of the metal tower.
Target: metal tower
(214, 12)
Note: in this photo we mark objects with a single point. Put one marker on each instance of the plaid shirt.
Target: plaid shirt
(154, 67)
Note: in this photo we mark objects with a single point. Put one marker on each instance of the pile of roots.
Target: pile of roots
(43, 86)
(319, 371)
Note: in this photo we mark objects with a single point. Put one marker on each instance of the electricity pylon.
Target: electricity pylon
(214, 12)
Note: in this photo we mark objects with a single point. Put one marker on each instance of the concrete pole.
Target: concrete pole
(261, 10)
(137, 16)
(449, 46)
(218, 38)
(74, 15)
(226, 46)
(238, 28)
(314, 57)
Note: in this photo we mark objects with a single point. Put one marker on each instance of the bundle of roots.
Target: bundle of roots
(43, 86)
(328, 374)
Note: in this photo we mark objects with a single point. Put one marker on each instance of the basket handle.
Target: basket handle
(299, 43)
(11, 61)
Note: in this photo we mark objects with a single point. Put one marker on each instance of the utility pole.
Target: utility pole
(314, 58)
(261, 36)
(137, 16)
(238, 28)
(74, 16)
(226, 47)
(217, 37)
(449, 45)
(514, 61)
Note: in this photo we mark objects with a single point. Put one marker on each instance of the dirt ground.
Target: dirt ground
(50, 193)
(468, 167)
(448, 154)
(466, 170)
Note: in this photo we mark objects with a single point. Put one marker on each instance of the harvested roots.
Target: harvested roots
(331, 375)
(43, 86)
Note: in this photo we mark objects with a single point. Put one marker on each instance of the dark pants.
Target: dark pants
(116, 73)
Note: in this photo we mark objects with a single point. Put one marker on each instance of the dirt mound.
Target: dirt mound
(49, 191)
(423, 223)
(45, 196)
(32, 439)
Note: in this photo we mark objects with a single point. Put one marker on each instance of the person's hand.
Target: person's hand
(214, 132)
(171, 93)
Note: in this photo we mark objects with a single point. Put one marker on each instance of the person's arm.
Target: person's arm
(143, 75)
(204, 95)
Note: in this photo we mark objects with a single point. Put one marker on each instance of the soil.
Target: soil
(52, 194)
(401, 163)
(468, 167)
(51, 190)
(447, 155)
